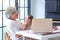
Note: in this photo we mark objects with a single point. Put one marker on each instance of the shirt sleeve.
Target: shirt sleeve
(11, 29)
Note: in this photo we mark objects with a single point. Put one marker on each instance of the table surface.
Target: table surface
(30, 34)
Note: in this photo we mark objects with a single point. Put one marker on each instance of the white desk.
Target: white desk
(28, 33)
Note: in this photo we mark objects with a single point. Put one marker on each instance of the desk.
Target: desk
(28, 33)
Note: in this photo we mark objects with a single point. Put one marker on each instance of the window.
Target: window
(0, 19)
(0, 4)
(22, 7)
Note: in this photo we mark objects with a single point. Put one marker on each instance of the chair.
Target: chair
(6, 36)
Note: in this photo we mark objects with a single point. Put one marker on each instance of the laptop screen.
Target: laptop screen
(41, 25)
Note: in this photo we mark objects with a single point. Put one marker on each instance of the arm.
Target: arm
(26, 26)
(12, 30)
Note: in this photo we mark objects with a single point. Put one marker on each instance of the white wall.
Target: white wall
(38, 8)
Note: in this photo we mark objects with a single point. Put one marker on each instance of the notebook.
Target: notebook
(42, 25)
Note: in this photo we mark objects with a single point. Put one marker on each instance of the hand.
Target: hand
(55, 28)
(17, 35)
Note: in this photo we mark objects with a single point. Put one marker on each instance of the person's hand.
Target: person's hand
(17, 35)
(55, 28)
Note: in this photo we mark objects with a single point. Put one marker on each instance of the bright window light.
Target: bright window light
(0, 4)
(0, 19)
(5, 4)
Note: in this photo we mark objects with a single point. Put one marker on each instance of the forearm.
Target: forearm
(26, 28)
(18, 36)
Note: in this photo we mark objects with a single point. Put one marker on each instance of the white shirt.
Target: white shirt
(13, 26)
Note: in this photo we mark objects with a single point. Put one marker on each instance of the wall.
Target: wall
(52, 9)
(38, 8)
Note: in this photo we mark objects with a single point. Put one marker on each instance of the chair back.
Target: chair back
(6, 36)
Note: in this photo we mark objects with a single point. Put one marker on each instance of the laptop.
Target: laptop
(42, 25)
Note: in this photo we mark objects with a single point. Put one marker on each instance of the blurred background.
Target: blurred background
(36, 8)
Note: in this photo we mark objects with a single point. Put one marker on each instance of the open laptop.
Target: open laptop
(42, 25)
